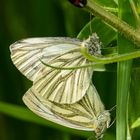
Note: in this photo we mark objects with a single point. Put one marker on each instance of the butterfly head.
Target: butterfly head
(93, 45)
(103, 123)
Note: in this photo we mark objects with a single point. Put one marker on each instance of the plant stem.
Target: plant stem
(99, 61)
(114, 21)
(123, 74)
(109, 59)
(123, 83)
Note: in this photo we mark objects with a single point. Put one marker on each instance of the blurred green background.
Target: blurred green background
(38, 18)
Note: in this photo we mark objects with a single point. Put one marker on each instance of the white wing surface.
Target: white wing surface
(60, 86)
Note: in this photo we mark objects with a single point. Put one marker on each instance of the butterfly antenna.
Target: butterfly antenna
(113, 108)
(112, 123)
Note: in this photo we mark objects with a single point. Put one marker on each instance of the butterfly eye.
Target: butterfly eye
(79, 3)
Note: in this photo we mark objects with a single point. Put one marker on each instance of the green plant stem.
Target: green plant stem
(121, 26)
(123, 83)
(123, 74)
(110, 59)
(99, 61)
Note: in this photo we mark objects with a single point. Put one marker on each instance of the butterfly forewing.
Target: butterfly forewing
(60, 86)
(26, 53)
(81, 115)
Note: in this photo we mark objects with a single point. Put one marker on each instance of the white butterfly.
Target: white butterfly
(66, 97)
(87, 114)
(60, 86)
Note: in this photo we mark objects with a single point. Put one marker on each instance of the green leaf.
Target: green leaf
(27, 115)
(105, 32)
(136, 123)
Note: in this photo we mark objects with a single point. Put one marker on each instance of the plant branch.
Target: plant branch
(122, 27)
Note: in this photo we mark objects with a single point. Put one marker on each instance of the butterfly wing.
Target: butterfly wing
(64, 86)
(26, 53)
(60, 86)
(81, 115)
